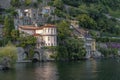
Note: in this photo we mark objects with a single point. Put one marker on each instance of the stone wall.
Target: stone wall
(39, 54)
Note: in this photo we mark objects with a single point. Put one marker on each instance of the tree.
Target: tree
(63, 33)
(63, 30)
(27, 41)
(28, 2)
(59, 4)
(75, 48)
(14, 34)
(8, 26)
(15, 3)
(108, 51)
(86, 21)
(8, 55)
(69, 47)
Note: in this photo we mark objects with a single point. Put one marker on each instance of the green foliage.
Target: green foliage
(14, 34)
(9, 51)
(28, 2)
(93, 33)
(69, 48)
(15, 3)
(1, 19)
(58, 3)
(107, 52)
(107, 39)
(31, 52)
(86, 21)
(27, 41)
(74, 11)
(74, 3)
(105, 3)
(59, 13)
(63, 30)
(91, 14)
(8, 26)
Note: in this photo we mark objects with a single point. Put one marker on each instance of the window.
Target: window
(34, 15)
(48, 30)
(54, 39)
(52, 44)
(54, 30)
(48, 38)
(51, 31)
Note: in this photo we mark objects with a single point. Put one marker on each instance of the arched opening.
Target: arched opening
(36, 57)
(25, 55)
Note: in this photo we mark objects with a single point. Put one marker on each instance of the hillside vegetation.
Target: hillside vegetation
(91, 14)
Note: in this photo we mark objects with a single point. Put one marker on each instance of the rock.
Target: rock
(5, 62)
(4, 68)
(1, 67)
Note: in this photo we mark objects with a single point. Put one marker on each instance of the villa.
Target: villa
(46, 35)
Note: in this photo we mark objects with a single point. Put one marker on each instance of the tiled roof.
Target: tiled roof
(48, 26)
(28, 27)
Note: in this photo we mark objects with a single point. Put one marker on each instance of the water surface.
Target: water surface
(107, 69)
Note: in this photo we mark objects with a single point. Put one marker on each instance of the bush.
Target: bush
(9, 53)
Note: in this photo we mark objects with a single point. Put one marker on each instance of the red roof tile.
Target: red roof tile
(29, 27)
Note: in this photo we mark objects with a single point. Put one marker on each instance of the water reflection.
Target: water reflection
(83, 70)
(8, 75)
(78, 70)
(46, 72)
(39, 71)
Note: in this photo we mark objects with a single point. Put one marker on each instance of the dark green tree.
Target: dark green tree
(86, 21)
(27, 41)
(15, 3)
(14, 34)
(8, 26)
(69, 47)
(59, 4)
(63, 30)
(75, 48)
(28, 2)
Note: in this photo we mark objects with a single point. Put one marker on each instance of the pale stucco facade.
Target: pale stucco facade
(46, 35)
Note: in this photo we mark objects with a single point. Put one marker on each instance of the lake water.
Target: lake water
(107, 69)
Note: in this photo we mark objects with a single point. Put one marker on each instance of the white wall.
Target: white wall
(49, 31)
(39, 31)
(50, 36)
(30, 32)
(50, 40)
